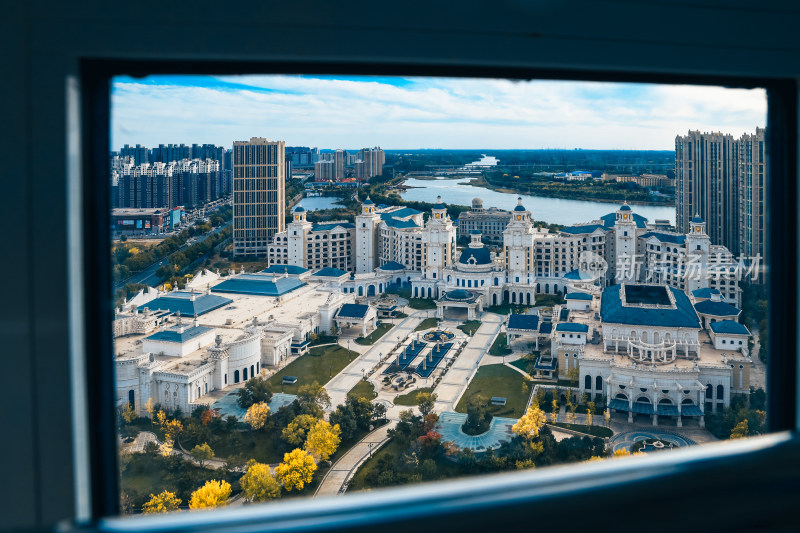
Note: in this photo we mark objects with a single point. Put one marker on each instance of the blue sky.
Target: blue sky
(408, 113)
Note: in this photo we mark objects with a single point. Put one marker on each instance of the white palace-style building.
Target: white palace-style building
(650, 320)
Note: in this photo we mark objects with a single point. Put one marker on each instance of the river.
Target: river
(550, 210)
(316, 203)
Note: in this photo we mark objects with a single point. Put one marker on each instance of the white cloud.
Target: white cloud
(426, 112)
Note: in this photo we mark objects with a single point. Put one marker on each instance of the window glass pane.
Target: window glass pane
(330, 284)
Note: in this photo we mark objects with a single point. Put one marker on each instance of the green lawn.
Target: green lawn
(319, 364)
(549, 299)
(500, 346)
(428, 323)
(505, 309)
(379, 332)
(421, 303)
(523, 364)
(597, 431)
(410, 398)
(470, 327)
(363, 389)
(499, 380)
(390, 449)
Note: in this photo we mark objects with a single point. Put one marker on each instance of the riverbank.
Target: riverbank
(568, 192)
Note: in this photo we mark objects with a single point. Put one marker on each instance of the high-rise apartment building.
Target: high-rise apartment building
(373, 160)
(752, 194)
(723, 180)
(259, 206)
(706, 183)
(339, 156)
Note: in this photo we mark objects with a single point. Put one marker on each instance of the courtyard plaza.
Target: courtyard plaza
(344, 381)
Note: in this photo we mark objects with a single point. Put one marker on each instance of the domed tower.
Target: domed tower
(477, 205)
(366, 238)
(698, 244)
(518, 245)
(438, 242)
(296, 232)
(625, 245)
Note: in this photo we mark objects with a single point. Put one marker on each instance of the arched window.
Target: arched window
(598, 383)
(236, 376)
(587, 382)
(709, 391)
(132, 399)
(226, 379)
(206, 388)
(720, 392)
(252, 371)
(244, 374)
(257, 369)
(198, 392)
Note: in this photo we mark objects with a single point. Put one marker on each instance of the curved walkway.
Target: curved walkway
(335, 481)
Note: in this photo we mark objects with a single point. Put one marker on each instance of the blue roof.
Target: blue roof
(353, 311)
(546, 327)
(328, 227)
(474, 232)
(697, 219)
(395, 223)
(682, 316)
(578, 275)
(579, 230)
(610, 220)
(709, 307)
(368, 201)
(171, 335)
(578, 296)
(481, 255)
(665, 237)
(284, 269)
(181, 301)
(704, 293)
(439, 206)
(520, 208)
(330, 272)
(459, 294)
(625, 207)
(730, 327)
(572, 327)
(530, 322)
(258, 284)
(299, 209)
(401, 213)
(392, 265)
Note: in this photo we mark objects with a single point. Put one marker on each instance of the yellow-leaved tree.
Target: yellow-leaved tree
(162, 503)
(296, 470)
(202, 453)
(259, 484)
(213, 494)
(323, 440)
(295, 432)
(741, 430)
(161, 417)
(257, 415)
(172, 429)
(149, 407)
(128, 414)
(166, 448)
(531, 422)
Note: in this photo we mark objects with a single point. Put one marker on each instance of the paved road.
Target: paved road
(345, 380)
(455, 381)
(148, 275)
(341, 472)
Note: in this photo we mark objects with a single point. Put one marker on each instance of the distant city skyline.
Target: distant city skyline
(408, 113)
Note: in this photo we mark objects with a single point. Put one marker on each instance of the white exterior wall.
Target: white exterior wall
(176, 349)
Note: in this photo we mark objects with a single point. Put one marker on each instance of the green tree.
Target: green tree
(202, 453)
(255, 390)
(426, 402)
(314, 394)
(478, 419)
